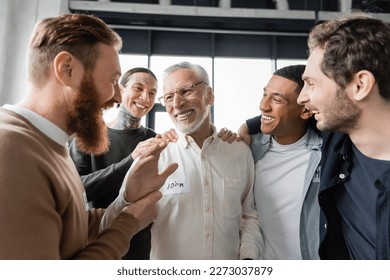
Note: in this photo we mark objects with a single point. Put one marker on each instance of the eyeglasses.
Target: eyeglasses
(184, 93)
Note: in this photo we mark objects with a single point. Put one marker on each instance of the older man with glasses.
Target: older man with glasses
(207, 209)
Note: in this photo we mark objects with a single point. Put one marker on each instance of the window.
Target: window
(238, 89)
(280, 63)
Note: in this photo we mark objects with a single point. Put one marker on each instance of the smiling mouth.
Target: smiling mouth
(267, 118)
(183, 116)
(140, 106)
(312, 111)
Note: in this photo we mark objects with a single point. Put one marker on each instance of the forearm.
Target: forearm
(96, 183)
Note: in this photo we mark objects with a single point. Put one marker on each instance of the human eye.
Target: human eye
(278, 100)
(168, 98)
(185, 91)
(152, 93)
(309, 83)
(138, 87)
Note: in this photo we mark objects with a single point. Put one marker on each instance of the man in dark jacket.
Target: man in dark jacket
(348, 89)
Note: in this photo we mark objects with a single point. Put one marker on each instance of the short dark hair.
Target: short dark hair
(126, 76)
(293, 73)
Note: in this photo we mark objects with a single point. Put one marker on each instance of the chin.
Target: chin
(265, 130)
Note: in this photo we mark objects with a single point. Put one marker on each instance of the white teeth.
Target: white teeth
(140, 106)
(267, 118)
(313, 111)
(183, 115)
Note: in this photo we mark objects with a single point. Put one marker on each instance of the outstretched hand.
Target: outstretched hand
(144, 178)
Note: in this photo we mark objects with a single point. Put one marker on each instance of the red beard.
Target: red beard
(86, 119)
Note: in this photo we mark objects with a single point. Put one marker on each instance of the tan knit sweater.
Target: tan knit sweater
(42, 211)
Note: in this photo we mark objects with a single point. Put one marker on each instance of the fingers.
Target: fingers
(222, 132)
(145, 148)
(168, 136)
(227, 135)
(143, 177)
(168, 171)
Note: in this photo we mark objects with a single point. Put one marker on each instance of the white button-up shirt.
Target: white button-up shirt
(207, 210)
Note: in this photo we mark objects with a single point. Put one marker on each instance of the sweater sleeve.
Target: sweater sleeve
(113, 242)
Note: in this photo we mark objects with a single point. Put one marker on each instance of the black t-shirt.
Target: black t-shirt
(357, 205)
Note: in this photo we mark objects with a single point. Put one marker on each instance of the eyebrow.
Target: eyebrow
(143, 85)
(276, 94)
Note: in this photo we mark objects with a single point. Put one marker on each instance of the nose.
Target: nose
(145, 95)
(303, 97)
(117, 94)
(177, 100)
(265, 104)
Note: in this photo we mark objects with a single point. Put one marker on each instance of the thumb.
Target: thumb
(148, 200)
(153, 197)
(169, 170)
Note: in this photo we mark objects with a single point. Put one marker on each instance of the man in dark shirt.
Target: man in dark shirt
(103, 174)
(348, 89)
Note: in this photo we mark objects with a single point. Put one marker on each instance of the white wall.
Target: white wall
(17, 20)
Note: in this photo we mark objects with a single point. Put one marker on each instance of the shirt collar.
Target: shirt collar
(44, 125)
(186, 140)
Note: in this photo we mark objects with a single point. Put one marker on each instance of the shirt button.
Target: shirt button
(341, 176)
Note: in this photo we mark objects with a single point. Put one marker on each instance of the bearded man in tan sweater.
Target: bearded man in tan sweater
(73, 71)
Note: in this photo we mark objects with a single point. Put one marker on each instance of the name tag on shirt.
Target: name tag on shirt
(175, 186)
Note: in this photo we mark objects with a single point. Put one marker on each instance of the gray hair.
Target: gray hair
(199, 70)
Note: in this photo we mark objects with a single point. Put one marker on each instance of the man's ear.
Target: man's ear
(362, 84)
(122, 88)
(210, 96)
(64, 64)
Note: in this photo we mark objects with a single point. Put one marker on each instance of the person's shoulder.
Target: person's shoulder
(15, 127)
(150, 132)
(146, 132)
(334, 137)
(235, 146)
